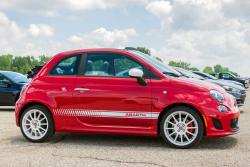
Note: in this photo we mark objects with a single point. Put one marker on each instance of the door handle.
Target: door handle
(81, 89)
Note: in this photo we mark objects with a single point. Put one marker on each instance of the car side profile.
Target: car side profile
(90, 91)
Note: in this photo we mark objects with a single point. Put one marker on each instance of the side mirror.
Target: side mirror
(138, 74)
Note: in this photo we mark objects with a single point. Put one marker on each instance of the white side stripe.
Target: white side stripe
(104, 113)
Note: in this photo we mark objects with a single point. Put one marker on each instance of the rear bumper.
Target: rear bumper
(223, 124)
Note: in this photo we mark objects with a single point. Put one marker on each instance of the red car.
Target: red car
(111, 91)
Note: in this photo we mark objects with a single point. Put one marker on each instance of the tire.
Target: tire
(181, 134)
(37, 124)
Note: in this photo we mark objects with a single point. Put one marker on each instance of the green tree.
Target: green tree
(183, 65)
(21, 64)
(5, 62)
(159, 59)
(219, 69)
(144, 50)
(148, 52)
(193, 69)
(43, 59)
(208, 70)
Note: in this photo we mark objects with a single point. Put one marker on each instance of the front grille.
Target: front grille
(217, 124)
(234, 123)
(239, 101)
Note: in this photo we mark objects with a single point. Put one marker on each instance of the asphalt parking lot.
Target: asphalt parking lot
(106, 150)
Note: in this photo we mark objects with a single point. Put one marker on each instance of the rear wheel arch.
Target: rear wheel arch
(166, 109)
(30, 105)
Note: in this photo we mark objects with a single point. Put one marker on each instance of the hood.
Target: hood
(196, 84)
(233, 82)
(240, 78)
(225, 83)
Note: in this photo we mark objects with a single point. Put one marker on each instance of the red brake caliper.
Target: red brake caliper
(191, 125)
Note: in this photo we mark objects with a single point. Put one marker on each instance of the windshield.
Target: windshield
(165, 69)
(210, 76)
(188, 73)
(15, 77)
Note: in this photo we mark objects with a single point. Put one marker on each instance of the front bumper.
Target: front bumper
(223, 124)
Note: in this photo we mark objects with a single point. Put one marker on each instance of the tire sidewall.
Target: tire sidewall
(195, 115)
(50, 130)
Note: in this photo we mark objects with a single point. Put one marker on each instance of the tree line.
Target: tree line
(23, 64)
(187, 66)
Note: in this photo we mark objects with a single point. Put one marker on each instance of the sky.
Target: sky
(201, 32)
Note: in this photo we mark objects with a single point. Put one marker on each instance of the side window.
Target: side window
(109, 65)
(226, 76)
(98, 64)
(123, 64)
(1, 80)
(67, 66)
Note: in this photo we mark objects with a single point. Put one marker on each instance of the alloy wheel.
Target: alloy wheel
(181, 128)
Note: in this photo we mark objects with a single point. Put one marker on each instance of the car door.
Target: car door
(107, 97)
(7, 93)
(61, 81)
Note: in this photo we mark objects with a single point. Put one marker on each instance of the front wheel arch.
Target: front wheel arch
(166, 109)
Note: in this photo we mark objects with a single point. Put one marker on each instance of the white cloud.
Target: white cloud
(102, 37)
(15, 39)
(38, 39)
(37, 30)
(53, 8)
(159, 8)
(205, 32)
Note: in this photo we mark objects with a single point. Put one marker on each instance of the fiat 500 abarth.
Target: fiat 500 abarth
(111, 91)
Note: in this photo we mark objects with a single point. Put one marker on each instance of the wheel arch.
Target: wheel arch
(166, 109)
(30, 104)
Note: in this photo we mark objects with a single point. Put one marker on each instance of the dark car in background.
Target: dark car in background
(209, 76)
(11, 84)
(234, 88)
(231, 77)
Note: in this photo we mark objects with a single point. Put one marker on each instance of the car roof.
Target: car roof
(93, 50)
(3, 71)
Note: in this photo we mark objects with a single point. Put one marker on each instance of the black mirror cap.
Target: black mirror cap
(142, 81)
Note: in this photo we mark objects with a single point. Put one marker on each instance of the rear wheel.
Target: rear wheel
(181, 127)
(37, 124)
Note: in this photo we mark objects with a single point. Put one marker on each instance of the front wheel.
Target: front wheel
(181, 127)
(37, 124)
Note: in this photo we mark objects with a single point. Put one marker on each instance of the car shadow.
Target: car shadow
(79, 140)
(137, 141)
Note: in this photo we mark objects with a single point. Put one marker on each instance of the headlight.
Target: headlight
(217, 95)
(222, 108)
